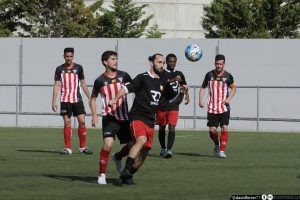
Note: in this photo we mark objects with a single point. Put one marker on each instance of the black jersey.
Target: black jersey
(164, 103)
(218, 90)
(148, 90)
(108, 89)
(70, 82)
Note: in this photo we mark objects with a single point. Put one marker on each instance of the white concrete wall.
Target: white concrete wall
(176, 18)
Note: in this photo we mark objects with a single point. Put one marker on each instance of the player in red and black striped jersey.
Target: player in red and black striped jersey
(148, 87)
(168, 112)
(69, 77)
(221, 89)
(115, 120)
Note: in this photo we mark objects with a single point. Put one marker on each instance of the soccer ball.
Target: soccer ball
(193, 52)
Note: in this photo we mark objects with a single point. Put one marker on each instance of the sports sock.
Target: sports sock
(104, 157)
(122, 153)
(214, 137)
(171, 139)
(82, 136)
(67, 136)
(133, 170)
(223, 140)
(161, 138)
(129, 162)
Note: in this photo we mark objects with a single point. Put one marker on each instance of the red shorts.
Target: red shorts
(139, 128)
(167, 117)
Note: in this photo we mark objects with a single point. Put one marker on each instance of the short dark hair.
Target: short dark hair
(220, 57)
(152, 58)
(69, 49)
(106, 54)
(171, 55)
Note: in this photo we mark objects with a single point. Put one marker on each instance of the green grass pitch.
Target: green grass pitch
(257, 163)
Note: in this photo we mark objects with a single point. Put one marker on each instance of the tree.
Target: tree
(154, 32)
(48, 18)
(123, 20)
(252, 19)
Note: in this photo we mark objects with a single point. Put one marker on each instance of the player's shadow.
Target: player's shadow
(194, 154)
(88, 179)
(38, 151)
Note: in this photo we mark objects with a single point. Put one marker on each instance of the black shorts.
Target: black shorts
(70, 109)
(214, 120)
(112, 127)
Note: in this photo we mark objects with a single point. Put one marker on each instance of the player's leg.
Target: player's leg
(109, 127)
(124, 136)
(224, 122)
(172, 118)
(66, 113)
(139, 132)
(162, 121)
(213, 124)
(79, 112)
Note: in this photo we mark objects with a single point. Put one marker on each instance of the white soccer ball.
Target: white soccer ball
(193, 52)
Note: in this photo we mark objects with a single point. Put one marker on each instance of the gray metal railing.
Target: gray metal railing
(194, 117)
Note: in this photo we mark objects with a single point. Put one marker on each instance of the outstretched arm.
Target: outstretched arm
(120, 94)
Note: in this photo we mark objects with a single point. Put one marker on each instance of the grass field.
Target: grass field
(257, 163)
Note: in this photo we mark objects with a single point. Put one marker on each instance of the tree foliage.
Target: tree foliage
(124, 19)
(154, 32)
(252, 19)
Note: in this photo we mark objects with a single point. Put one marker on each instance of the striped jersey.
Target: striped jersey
(218, 90)
(70, 82)
(108, 89)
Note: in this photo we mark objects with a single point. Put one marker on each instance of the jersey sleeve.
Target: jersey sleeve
(80, 73)
(230, 81)
(127, 79)
(135, 83)
(57, 75)
(183, 82)
(96, 88)
(205, 81)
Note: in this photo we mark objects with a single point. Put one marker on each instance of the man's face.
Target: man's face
(112, 63)
(158, 64)
(219, 64)
(171, 63)
(68, 56)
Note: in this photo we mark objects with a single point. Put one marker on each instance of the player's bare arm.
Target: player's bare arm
(54, 96)
(187, 96)
(85, 89)
(121, 93)
(93, 110)
(201, 97)
(231, 94)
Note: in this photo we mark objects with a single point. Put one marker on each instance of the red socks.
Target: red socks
(82, 136)
(223, 140)
(67, 137)
(122, 153)
(214, 137)
(104, 157)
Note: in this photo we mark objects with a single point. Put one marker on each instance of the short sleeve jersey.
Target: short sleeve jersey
(164, 103)
(148, 90)
(218, 90)
(70, 82)
(108, 88)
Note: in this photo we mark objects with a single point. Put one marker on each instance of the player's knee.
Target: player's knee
(172, 128)
(224, 128)
(212, 129)
(162, 128)
(141, 140)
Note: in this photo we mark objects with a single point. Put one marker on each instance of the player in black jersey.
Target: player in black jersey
(168, 112)
(148, 87)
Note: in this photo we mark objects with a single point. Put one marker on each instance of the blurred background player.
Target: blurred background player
(221, 89)
(69, 77)
(115, 120)
(148, 88)
(168, 112)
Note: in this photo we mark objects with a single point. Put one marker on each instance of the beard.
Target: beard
(113, 69)
(158, 72)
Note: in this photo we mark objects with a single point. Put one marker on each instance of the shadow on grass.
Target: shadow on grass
(88, 179)
(194, 154)
(298, 176)
(38, 151)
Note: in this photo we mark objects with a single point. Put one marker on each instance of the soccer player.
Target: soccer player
(221, 89)
(115, 120)
(148, 88)
(69, 77)
(168, 112)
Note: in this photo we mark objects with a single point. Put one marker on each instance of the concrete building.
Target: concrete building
(176, 18)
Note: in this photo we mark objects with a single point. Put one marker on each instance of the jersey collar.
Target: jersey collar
(169, 71)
